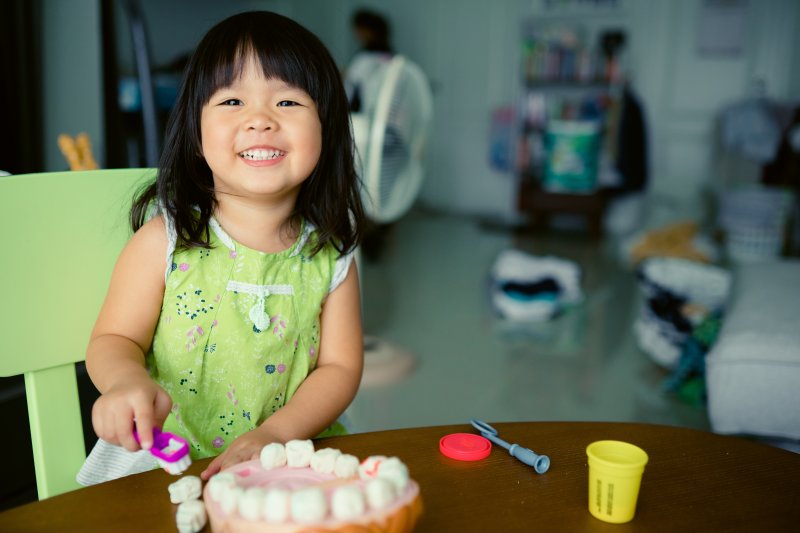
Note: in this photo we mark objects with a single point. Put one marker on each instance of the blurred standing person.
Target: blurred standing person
(365, 71)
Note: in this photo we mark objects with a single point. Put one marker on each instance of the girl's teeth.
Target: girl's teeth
(261, 155)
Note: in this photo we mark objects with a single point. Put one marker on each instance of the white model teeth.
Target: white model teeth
(261, 155)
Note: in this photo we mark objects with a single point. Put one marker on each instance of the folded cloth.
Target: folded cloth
(107, 461)
(533, 288)
(520, 267)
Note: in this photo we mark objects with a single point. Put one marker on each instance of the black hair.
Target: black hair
(184, 187)
(377, 27)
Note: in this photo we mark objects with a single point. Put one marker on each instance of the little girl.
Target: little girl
(233, 314)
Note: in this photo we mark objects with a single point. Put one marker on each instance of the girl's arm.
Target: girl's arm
(325, 393)
(123, 333)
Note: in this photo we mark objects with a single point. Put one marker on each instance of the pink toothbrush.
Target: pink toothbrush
(170, 450)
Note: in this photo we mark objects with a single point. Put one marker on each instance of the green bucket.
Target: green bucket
(572, 149)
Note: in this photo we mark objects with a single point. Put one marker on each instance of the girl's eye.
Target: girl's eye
(231, 101)
(287, 103)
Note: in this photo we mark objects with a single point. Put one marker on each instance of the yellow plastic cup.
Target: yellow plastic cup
(615, 474)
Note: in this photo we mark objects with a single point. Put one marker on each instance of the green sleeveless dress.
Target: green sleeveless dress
(238, 333)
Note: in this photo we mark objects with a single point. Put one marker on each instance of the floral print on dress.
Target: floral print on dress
(277, 402)
(226, 421)
(206, 354)
(278, 325)
(192, 304)
(189, 382)
(232, 395)
(313, 342)
(193, 335)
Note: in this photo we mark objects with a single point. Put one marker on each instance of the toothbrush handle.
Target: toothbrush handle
(540, 463)
(494, 438)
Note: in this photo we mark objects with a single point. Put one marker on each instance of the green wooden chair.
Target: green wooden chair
(60, 235)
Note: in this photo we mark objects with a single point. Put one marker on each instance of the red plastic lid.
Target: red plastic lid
(465, 446)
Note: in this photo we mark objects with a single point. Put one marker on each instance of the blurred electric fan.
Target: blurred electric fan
(390, 140)
(390, 137)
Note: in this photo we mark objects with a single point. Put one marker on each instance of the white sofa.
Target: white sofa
(753, 369)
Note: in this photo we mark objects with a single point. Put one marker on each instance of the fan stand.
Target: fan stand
(385, 362)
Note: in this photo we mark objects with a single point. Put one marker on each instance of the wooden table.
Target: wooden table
(540, 205)
(695, 481)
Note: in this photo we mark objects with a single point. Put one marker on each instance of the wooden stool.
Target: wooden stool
(541, 204)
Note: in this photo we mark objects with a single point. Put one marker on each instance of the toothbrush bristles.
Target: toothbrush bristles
(178, 467)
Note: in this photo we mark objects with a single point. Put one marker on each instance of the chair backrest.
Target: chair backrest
(60, 235)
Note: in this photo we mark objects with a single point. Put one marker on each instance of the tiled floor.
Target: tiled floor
(428, 294)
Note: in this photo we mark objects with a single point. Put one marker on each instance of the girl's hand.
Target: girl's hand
(244, 448)
(138, 400)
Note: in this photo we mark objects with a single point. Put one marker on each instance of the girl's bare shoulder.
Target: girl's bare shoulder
(147, 247)
(152, 233)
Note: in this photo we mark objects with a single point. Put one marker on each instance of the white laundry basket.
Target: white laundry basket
(678, 295)
(754, 221)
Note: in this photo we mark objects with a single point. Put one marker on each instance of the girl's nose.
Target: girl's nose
(260, 120)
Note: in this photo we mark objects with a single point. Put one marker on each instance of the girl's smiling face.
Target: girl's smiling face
(261, 137)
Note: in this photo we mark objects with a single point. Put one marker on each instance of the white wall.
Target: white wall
(685, 91)
(470, 49)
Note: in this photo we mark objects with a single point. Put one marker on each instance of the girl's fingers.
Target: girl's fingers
(123, 424)
(144, 428)
(227, 458)
(212, 468)
(150, 416)
(162, 407)
(103, 423)
(143, 417)
(233, 455)
(97, 422)
(239, 456)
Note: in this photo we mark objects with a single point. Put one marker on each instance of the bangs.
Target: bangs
(279, 53)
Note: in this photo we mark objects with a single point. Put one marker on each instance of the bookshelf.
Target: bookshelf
(571, 81)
